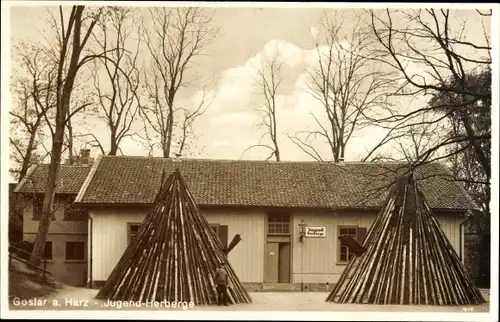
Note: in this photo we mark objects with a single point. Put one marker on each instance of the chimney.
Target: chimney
(85, 156)
(177, 157)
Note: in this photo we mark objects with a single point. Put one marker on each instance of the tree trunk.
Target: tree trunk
(48, 201)
(275, 134)
(114, 143)
(277, 153)
(58, 137)
(70, 141)
(477, 148)
(170, 122)
(27, 158)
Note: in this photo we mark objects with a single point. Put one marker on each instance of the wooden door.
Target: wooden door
(284, 263)
(271, 263)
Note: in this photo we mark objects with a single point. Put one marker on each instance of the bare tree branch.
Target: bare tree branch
(119, 102)
(268, 80)
(174, 38)
(346, 82)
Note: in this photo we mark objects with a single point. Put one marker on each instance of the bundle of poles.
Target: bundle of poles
(408, 258)
(174, 255)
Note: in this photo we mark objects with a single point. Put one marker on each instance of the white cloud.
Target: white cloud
(229, 126)
(290, 53)
(235, 117)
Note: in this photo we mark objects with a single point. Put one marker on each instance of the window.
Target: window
(221, 232)
(47, 251)
(38, 208)
(72, 212)
(133, 229)
(278, 224)
(75, 251)
(358, 233)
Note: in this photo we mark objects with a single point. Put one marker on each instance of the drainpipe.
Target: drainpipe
(302, 267)
(89, 255)
(461, 239)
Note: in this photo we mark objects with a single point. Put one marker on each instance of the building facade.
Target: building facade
(271, 254)
(66, 243)
(289, 215)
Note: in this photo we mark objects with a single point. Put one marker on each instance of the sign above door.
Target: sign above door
(315, 232)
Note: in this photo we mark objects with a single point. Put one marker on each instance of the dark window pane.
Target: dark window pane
(278, 224)
(47, 251)
(132, 231)
(75, 250)
(37, 208)
(222, 232)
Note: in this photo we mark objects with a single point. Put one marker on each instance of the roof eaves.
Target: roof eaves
(473, 205)
(87, 181)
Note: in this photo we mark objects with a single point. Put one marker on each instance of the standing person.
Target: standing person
(221, 282)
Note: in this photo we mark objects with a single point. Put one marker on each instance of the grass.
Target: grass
(25, 284)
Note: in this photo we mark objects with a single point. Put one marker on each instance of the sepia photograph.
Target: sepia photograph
(249, 160)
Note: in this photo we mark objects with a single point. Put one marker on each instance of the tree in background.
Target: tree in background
(117, 92)
(467, 168)
(453, 74)
(268, 81)
(34, 96)
(174, 38)
(348, 84)
(73, 35)
(438, 52)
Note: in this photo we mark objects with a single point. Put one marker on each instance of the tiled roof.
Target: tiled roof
(70, 180)
(136, 180)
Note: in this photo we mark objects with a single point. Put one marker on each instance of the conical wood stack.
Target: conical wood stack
(408, 259)
(173, 256)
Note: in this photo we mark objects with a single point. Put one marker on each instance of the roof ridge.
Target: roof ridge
(65, 165)
(248, 161)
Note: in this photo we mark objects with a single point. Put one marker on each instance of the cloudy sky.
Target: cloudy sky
(230, 124)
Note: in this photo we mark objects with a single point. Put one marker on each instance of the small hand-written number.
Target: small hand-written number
(467, 309)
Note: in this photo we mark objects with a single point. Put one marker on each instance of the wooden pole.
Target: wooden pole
(408, 258)
(173, 256)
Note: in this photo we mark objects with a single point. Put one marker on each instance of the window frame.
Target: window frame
(279, 223)
(37, 208)
(74, 259)
(216, 226)
(44, 256)
(217, 233)
(68, 208)
(129, 231)
(339, 248)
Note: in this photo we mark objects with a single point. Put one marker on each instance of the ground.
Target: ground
(23, 283)
(72, 298)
